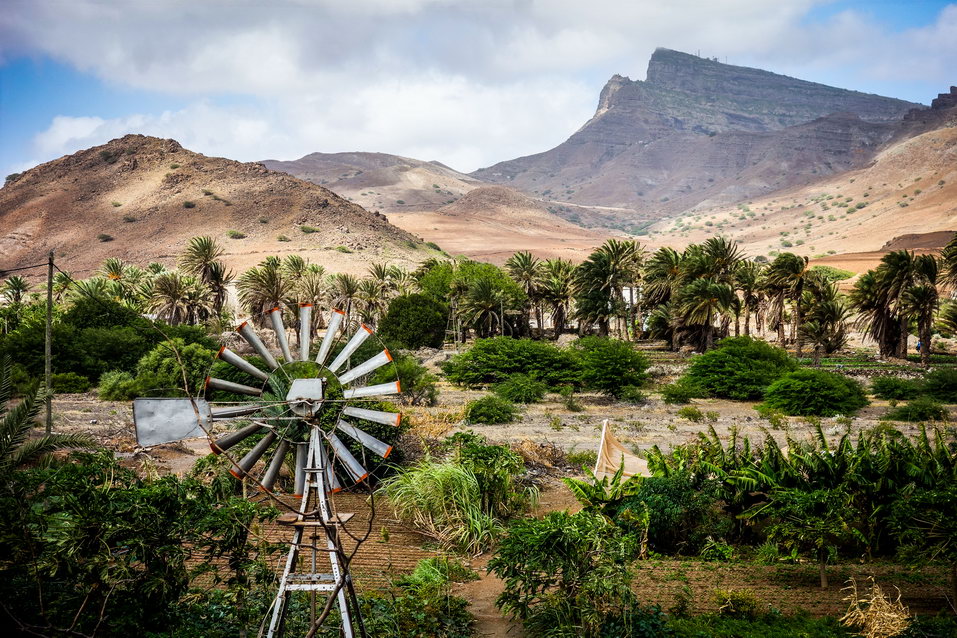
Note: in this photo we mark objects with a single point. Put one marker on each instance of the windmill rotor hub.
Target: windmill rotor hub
(305, 397)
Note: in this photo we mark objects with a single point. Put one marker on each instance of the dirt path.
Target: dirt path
(481, 593)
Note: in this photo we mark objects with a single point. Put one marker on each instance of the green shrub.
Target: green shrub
(682, 512)
(692, 413)
(888, 387)
(920, 409)
(571, 404)
(681, 391)
(739, 368)
(189, 204)
(308, 230)
(343, 249)
(161, 370)
(129, 219)
(737, 603)
(941, 384)
(414, 321)
(103, 237)
(815, 393)
(632, 394)
(69, 383)
(586, 458)
(282, 238)
(117, 385)
(494, 360)
(609, 365)
(235, 234)
(490, 409)
(520, 388)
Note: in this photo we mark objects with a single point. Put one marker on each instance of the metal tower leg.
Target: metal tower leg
(339, 578)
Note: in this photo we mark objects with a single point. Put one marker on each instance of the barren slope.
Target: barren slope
(491, 223)
(151, 195)
(910, 189)
(379, 181)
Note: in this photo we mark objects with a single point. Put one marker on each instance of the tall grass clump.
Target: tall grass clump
(442, 500)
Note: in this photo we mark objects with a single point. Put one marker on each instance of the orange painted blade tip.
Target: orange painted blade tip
(341, 312)
(398, 386)
(236, 474)
(305, 305)
(398, 419)
(367, 328)
(275, 309)
(388, 355)
(387, 453)
(240, 326)
(216, 449)
(206, 383)
(221, 349)
(362, 478)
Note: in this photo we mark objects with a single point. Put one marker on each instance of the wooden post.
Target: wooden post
(48, 349)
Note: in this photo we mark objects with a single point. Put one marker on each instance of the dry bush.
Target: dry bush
(873, 612)
(534, 454)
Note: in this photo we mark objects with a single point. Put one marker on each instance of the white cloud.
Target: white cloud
(466, 82)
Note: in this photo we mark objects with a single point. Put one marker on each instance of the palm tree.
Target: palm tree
(373, 298)
(663, 276)
(624, 271)
(200, 254)
(482, 307)
(949, 259)
(113, 269)
(17, 448)
(701, 301)
(344, 292)
(15, 289)
(747, 279)
(524, 269)
(94, 287)
(788, 273)
(178, 298)
(555, 285)
(61, 285)
(263, 287)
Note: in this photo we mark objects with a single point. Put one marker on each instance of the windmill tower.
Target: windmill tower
(312, 411)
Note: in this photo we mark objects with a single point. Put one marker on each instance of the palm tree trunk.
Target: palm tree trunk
(823, 565)
(902, 344)
(925, 347)
(747, 321)
(798, 317)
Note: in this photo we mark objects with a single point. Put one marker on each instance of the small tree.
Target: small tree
(815, 393)
(610, 365)
(414, 321)
(813, 522)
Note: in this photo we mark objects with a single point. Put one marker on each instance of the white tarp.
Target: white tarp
(611, 454)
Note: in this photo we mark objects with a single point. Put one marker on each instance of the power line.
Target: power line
(6, 271)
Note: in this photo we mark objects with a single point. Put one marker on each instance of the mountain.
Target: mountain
(144, 197)
(490, 223)
(379, 181)
(698, 132)
(905, 197)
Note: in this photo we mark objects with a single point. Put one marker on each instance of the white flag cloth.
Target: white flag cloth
(611, 454)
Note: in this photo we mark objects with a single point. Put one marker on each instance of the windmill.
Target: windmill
(310, 410)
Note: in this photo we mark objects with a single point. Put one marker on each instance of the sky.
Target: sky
(465, 82)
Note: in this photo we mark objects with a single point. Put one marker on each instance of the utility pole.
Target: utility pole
(48, 353)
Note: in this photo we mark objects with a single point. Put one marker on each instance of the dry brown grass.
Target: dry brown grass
(873, 612)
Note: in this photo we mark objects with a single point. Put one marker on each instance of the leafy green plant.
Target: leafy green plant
(103, 237)
(692, 413)
(918, 410)
(490, 409)
(888, 387)
(414, 321)
(282, 238)
(681, 391)
(582, 458)
(443, 501)
(566, 574)
(343, 249)
(117, 385)
(308, 230)
(520, 388)
(737, 603)
(632, 394)
(609, 365)
(69, 383)
(189, 204)
(494, 360)
(815, 392)
(235, 234)
(739, 368)
(941, 384)
(716, 551)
